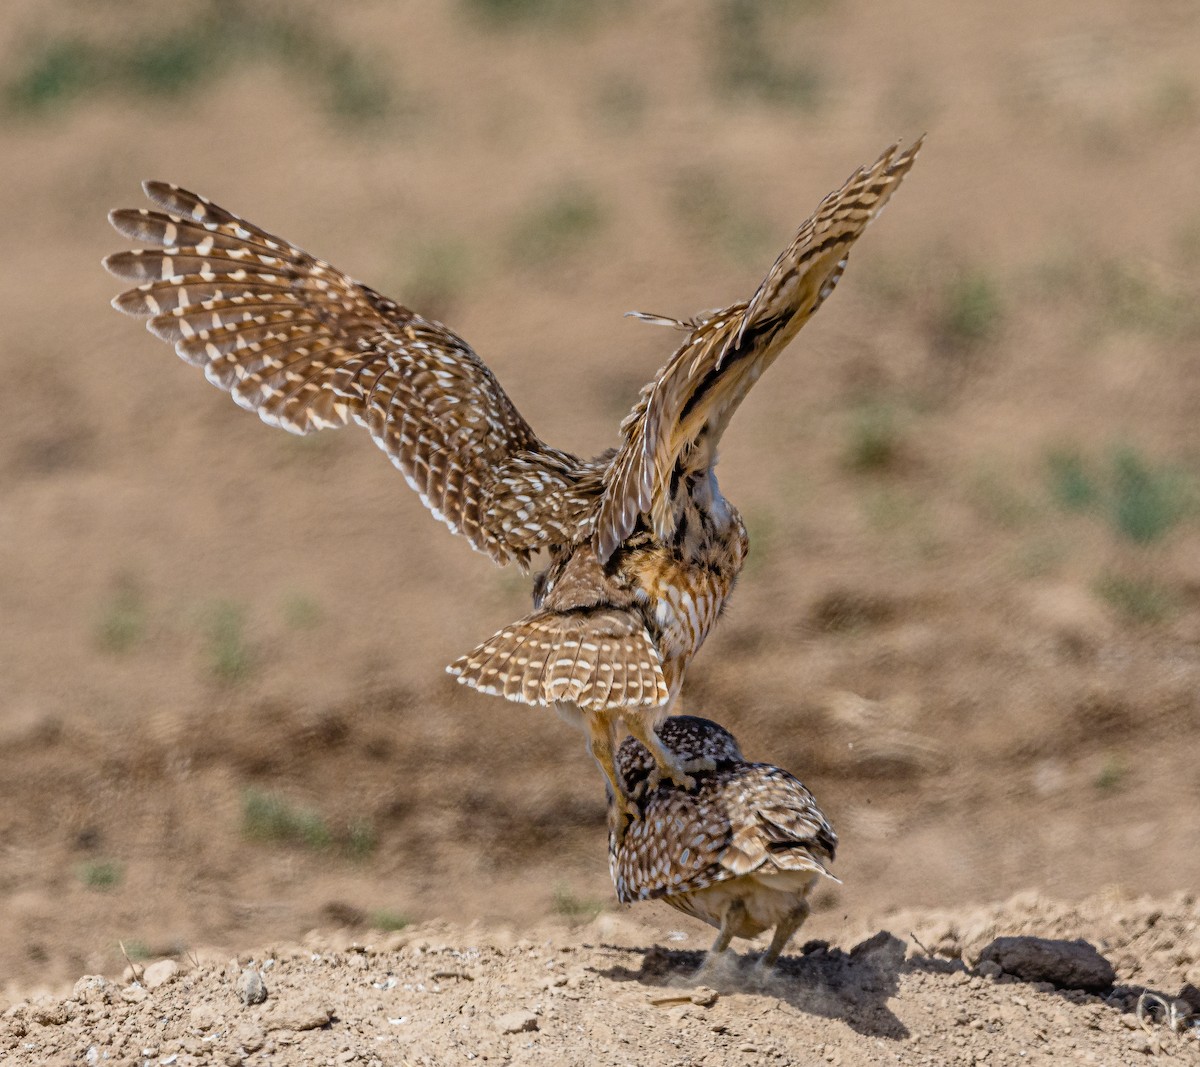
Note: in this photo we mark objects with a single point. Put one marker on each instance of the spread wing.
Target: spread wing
(681, 414)
(308, 348)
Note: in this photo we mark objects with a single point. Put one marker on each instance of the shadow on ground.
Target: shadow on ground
(853, 986)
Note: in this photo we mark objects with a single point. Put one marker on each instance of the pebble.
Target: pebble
(159, 973)
(251, 988)
(286, 1017)
(517, 1022)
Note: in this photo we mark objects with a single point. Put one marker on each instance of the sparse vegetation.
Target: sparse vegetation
(1146, 501)
(874, 439)
(301, 612)
(170, 62)
(1141, 500)
(361, 839)
(559, 225)
(746, 65)
(273, 818)
(570, 906)
(122, 623)
(388, 920)
(270, 817)
(1137, 599)
(228, 653)
(1112, 774)
(101, 875)
(970, 310)
(134, 950)
(1072, 485)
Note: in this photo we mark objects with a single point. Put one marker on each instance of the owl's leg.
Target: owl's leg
(601, 745)
(667, 764)
(729, 923)
(784, 930)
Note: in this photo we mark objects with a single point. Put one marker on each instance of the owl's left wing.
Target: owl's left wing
(307, 348)
(689, 403)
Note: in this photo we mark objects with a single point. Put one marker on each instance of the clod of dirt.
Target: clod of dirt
(1066, 964)
(251, 988)
(304, 1016)
(517, 1022)
(159, 973)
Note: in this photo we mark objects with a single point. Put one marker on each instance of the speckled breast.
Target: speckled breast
(684, 598)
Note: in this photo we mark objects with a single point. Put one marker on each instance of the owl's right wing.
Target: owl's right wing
(308, 348)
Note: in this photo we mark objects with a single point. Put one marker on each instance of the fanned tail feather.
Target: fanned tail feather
(593, 658)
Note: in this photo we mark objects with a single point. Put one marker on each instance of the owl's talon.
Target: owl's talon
(676, 774)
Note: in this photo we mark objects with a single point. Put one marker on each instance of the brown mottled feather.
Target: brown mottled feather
(740, 819)
(694, 395)
(643, 549)
(308, 348)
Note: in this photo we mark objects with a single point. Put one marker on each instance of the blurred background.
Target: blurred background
(971, 614)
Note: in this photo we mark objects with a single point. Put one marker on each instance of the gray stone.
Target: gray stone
(1065, 964)
(251, 987)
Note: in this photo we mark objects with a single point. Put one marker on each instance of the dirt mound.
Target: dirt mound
(607, 993)
(970, 617)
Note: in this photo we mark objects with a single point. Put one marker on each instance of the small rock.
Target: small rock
(159, 973)
(1065, 964)
(89, 987)
(251, 988)
(517, 1022)
(704, 997)
(1141, 1043)
(297, 1017)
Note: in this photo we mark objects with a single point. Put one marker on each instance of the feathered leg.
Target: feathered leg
(783, 934)
(729, 922)
(601, 744)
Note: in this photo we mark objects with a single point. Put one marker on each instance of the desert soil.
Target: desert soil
(970, 620)
(442, 994)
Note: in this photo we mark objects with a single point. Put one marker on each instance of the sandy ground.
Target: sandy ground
(442, 994)
(971, 616)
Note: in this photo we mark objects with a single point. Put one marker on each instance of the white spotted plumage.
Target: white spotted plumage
(643, 548)
(739, 850)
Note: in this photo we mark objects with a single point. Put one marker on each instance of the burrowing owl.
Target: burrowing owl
(643, 548)
(740, 849)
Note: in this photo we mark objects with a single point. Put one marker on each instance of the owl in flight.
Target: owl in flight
(643, 549)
